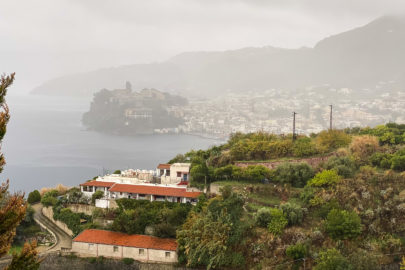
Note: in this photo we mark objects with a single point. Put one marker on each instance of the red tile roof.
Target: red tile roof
(122, 239)
(164, 166)
(95, 183)
(183, 183)
(154, 190)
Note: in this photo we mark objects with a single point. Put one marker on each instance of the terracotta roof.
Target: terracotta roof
(95, 183)
(183, 183)
(164, 166)
(154, 190)
(128, 240)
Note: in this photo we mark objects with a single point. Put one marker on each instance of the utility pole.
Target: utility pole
(294, 135)
(330, 117)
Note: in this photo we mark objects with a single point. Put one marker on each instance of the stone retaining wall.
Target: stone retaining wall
(313, 161)
(54, 261)
(48, 212)
(82, 208)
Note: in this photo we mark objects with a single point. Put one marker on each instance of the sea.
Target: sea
(46, 144)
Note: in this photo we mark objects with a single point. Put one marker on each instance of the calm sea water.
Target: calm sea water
(46, 144)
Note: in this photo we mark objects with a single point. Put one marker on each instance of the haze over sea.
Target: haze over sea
(46, 144)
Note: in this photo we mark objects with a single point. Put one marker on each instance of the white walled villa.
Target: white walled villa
(173, 188)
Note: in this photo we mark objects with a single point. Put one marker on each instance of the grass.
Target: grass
(15, 249)
(264, 200)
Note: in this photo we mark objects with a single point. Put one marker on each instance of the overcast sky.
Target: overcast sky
(42, 39)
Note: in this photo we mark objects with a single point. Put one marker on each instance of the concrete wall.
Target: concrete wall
(147, 255)
(48, 212)
(81, 208)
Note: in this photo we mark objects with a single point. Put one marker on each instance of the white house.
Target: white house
(173, 173)
(144, 248)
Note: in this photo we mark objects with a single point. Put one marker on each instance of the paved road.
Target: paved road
(63, 240)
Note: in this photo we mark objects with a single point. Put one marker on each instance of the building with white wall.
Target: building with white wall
(173, 173)
(144, 248)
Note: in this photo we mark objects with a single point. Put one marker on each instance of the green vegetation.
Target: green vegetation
(325, 178)
(278, 221)
(345, 211)
(97, 195)
(341, 224)
(49, 198)
(212, 236)
(34, 197)
(134, 216)
(296, 174)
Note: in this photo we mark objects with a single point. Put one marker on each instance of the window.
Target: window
(178, 174)
(167, 254)
(141, 251)
(115, 249)
(91, 246)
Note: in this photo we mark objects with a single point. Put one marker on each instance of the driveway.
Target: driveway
(63, 240)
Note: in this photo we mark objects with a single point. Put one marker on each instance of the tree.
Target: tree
(12, 207)
(341, 224)
(97, 195)
(324, 179)
(403, 263)
(293, 213)
(210, 237)
(332, 140)
(344, 166)
(297, 174)
(27, 259)
(297, 251)
(34, 197)
(331, 259)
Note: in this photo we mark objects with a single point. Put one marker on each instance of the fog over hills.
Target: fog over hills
(359, 58)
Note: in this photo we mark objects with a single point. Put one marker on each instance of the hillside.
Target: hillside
(359, 58)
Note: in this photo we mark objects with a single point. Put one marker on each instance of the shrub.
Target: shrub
(117, 172)
(361, 260)
(293, 213)
(297, 174)
(277, 222)
(256, 173)
(341, 224)
(398, 163)
(49, 198)
(307, 194)
(128, 261)
(297, 251)
(331, 259)
(304, 147)
(325, 178)
(263, 217)
(344, 166)
(96, 195)
(34, 197)
(364, 146)
(332, 139)
(382, 160)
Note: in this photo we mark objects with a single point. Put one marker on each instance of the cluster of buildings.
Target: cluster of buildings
(271, 110)
(168, 183)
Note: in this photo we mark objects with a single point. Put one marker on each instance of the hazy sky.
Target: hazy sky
(42, 39)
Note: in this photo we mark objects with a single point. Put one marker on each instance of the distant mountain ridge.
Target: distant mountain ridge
(359, 58)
